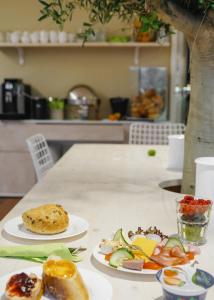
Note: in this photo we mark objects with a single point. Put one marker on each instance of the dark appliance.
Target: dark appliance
(39, 108)
(13, 101)
(120, 105)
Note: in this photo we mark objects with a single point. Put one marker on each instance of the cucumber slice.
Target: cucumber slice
(119, 236)
(173, 241)
(118, 256)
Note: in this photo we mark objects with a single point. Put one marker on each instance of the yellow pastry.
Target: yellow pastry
(46, 219)
(63, 280)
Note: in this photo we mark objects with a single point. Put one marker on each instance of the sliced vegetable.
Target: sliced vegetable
(173, 241)
(173, 281)
(108, 256)
(152, 265)
(170, 273)
(119, 256)
(186, 248)
(190, 255)
(119, 236)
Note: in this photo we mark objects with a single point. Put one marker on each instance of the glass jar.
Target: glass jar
(192, 219)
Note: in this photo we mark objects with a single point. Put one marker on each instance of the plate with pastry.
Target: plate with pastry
(46, 222)
(58, 279)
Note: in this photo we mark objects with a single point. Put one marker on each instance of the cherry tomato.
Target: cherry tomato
(108, 256)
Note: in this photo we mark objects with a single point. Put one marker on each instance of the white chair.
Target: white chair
(40, 154)
(153, 134)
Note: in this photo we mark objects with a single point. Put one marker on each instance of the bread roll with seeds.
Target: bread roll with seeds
(46, 219)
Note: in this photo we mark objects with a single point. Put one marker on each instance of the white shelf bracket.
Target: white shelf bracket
(21, 56)
(136, 56)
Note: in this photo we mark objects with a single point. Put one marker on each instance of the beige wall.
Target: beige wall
(53, 71)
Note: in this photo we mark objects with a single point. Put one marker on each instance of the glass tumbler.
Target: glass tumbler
(192, 220)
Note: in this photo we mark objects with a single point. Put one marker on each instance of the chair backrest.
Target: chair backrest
(40, 154)
(153, 134)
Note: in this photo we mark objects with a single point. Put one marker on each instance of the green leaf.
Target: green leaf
(43, 2)
(87, 24)
(76, 250)
(57, 104)
(103, 11)
(145, 27)
(43, 17)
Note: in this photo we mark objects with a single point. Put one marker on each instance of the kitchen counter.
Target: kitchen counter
(75, 122)
(111, 186)
(15, 161)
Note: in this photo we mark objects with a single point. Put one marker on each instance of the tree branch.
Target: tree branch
(182, 19)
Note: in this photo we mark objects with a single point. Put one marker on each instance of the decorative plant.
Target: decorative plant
(196, 19)
(56, 104)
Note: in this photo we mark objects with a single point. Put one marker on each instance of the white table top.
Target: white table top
(111, 186)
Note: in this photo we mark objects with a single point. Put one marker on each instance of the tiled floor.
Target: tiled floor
(6, 204)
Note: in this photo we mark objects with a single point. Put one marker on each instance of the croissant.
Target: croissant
(63, 281)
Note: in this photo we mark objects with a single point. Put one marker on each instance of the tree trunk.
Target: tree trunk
(199, 137)
(199, 32)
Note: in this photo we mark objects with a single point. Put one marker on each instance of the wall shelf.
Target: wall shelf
(87, 45)
(137, 46)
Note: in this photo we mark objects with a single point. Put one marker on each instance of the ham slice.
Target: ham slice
(133, 264)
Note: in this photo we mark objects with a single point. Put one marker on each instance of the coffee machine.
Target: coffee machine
(14, 104)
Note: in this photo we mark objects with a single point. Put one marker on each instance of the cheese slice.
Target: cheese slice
(147, 246)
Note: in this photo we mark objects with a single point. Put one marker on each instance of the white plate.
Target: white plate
(101, 258)
(15, 227)
(98, 287)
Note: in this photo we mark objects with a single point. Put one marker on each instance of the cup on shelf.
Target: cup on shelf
(176, 152)
(44, 37)
(53, 37)
(63, 37)
(2, 37)
(35, 37)
(15, 37)
(25, 37)
(7, 37)
(162, 36)
(71, 37)
(101, 36)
